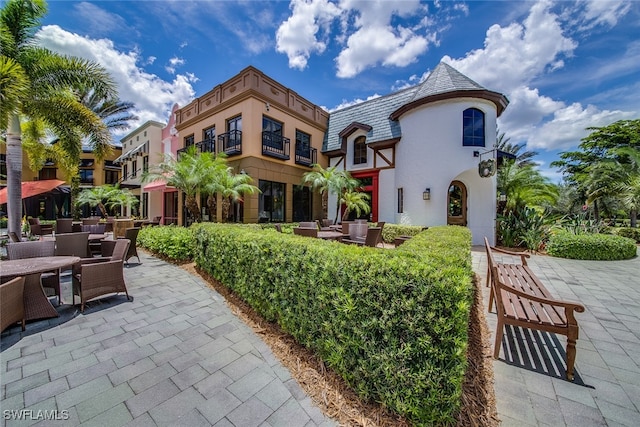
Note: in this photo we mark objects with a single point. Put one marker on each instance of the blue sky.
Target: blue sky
(564, 66)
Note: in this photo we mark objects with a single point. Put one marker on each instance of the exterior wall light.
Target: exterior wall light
(502, 197)
(426, 194)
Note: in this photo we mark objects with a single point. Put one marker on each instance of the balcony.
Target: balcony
(206, 146)
(230, 143)
(306, 155)
(275, 145)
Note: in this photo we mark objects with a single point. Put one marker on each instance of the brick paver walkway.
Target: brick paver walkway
(175, 356)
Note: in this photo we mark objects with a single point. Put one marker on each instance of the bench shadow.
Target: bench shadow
(537, 351)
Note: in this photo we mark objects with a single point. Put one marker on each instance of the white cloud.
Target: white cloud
(100, 21)
(598, 12)
(516, 56)
(298, 35)
(153, 97)
(345, 103)
(173, 64)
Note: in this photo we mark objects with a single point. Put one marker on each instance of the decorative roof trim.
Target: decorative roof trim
(498, 99)
(387, 143)
(354, 126)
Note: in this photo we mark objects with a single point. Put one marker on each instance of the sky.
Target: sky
(564, 66)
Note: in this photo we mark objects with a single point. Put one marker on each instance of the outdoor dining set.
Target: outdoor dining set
(93, 258)
(355, 232)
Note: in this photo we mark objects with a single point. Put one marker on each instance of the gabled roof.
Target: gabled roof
(382, 114)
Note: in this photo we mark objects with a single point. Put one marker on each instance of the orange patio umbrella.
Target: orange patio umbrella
(33, 188)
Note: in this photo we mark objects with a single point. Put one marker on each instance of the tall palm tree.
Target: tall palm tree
(233, 187)
(330, 180)
(42, 86)
(524, 186)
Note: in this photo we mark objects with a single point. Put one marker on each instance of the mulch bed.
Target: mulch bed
(338, 401)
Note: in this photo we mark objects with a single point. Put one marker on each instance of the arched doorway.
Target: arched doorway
(457, 204)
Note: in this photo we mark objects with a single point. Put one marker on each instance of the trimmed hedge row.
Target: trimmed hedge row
(171, 241)
(605, 247)
(392, 323)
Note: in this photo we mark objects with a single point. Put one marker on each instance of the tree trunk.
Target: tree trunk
(192, 206)
(596, 211)
(226, 204)
(14, 174)
(76, 212)
(212, 205)
(634, 218)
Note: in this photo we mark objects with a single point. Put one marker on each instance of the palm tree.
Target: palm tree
(190, 173)
(121, 198)
(330, 180)
(233, 187)
(97, 197)
(355, 201)
(38, 84)
(524, 186)
(522, 159)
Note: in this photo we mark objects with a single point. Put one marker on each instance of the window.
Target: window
(272, 126)
(209, 134)
(359, 151)
(234, 124)
(473, 128)
(400, 200)
(302, 203)
(86, 176)
(110, 177)
(188, 141)
(145, 133)
(137, 137)
(303, 142)
(125, 172)
(47, 173)
(145, 164)
(3, 165)
(134, 168)
(271, 202)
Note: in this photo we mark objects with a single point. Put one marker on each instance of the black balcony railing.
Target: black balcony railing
(306, 155)
(230, 143)
(206, 146)
(275, 145)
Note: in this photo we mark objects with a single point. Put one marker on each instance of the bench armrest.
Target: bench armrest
(572, 306)
(523, 256)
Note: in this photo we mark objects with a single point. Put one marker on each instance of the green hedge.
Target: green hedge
(591, 246)
(170, 241)
(392, 323)
(631, 233)
(391, 231)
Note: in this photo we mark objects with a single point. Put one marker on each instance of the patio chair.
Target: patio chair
(278, 227)
(326, 222)
(64, 225)
(307, 232)
(34, 249)
(73, 244)
(381, 225)
(39, 229)
(95, 277)
(132, 235)
(90, 221)
(12, 303)
(373, 234)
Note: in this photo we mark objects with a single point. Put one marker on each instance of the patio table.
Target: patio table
(36, 303)
(329, 235)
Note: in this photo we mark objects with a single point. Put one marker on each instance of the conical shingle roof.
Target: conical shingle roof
(444, 78)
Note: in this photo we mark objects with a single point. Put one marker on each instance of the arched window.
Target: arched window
(473, 128)
(359, 151)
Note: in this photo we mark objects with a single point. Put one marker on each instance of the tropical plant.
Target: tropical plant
(522, 159)
(523, 226)
(40, 85)
(330, 180)
(355, 201)
(105, 196)
(524, 186)
(189, 174)
(232, 188)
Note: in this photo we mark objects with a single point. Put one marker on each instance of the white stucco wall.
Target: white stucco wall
(430, 155)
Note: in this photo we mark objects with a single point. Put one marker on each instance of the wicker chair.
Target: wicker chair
(373, 234)
(381, 225)
(278, 227)
(132, 235)
(33, 249)
(39, 229)
(12, 303)
(64, 225)
(73, 244)
(90, 221)
(307, 232)
(95, 277)
(308, 224)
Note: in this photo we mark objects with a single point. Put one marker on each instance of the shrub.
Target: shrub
(523, 226)
(591, 246)
(391, 231)
(631, 233)
(169, 241)
(392, 323)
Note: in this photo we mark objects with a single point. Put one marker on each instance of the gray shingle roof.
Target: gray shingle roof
(376, 112)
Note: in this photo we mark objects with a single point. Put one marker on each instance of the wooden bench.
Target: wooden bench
(522, 300)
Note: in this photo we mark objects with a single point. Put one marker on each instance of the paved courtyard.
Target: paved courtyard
(531, 391)
(175, 356)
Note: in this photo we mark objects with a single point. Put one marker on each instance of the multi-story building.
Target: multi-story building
(267, 131)
(56, 203)
(140, 147)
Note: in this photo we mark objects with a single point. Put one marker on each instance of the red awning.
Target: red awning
(33, 188)
(156, 185)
